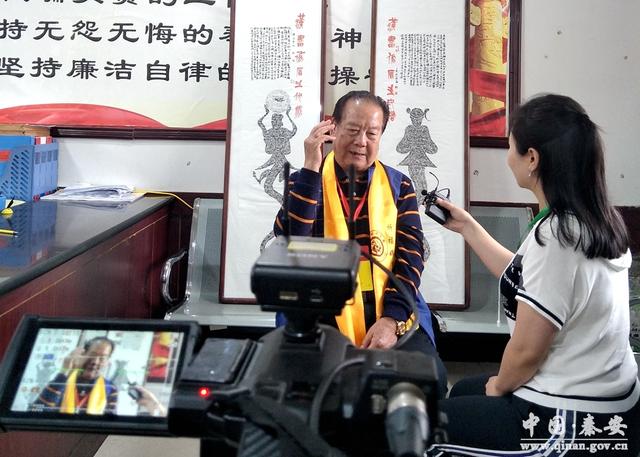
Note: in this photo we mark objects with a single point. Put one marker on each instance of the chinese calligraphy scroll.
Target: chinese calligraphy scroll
(276, 95)
(419, 69)
(347, 49)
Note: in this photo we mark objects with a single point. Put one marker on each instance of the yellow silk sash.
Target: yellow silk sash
(382, 234)
(97, 397)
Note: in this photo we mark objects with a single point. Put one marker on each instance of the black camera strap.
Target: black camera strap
(295, 435)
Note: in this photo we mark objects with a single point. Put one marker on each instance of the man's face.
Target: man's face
(358, 135)
(96, 359)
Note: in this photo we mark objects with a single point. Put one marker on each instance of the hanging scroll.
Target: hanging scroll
(275, 101)
(419, 69)
(348, 49)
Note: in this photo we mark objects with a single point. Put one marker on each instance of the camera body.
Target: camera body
(305, 382)
(283, 377)
(302, 389)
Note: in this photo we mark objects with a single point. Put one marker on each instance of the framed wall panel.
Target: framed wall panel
(116, 69)
(348, 49)
(275, 99)
(494, 69)
(419, 68)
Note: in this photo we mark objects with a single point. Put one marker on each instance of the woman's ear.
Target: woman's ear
(534, 159)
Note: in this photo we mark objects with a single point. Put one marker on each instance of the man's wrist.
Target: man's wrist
(306, 174)
(400, 326)
(396, 311)
(312, 165)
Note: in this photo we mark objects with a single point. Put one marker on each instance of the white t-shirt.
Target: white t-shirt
(590, 366)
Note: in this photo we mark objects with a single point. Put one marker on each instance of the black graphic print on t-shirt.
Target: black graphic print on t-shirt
(510, 282)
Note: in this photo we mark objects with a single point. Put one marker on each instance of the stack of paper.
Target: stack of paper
(114, 194)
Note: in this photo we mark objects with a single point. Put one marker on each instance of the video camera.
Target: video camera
(302, 389)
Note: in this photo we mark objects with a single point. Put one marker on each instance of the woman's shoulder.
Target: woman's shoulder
(545, 235)
(550, 226)
(549, 233)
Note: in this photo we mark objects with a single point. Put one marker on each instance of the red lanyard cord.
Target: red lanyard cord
(345, 204)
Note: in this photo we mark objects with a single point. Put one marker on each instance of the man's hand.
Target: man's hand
(74, 359)
(381, 335)
(320, 134)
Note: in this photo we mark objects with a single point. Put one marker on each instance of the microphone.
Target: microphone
(286, 221)
(431, 208)
(352, 202)
(407, 423)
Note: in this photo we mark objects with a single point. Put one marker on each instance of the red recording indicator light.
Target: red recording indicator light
(204, 392)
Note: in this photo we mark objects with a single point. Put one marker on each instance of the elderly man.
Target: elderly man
(81, 388)
(387, 223)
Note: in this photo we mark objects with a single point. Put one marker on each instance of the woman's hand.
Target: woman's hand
(491, 388)
(458, 218)
(149, 401)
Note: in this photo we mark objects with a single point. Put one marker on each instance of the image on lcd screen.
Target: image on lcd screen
(100, 372)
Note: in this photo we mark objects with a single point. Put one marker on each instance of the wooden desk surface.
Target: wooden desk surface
(50, 233)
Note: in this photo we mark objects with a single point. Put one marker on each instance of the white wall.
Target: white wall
(179, 166)
(587, 49)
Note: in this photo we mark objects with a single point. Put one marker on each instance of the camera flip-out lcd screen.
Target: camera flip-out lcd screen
(91, 372)
(126, 373)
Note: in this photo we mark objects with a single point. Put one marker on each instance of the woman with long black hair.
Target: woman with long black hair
(568, 380)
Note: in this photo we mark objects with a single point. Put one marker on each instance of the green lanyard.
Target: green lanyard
(542, 213)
